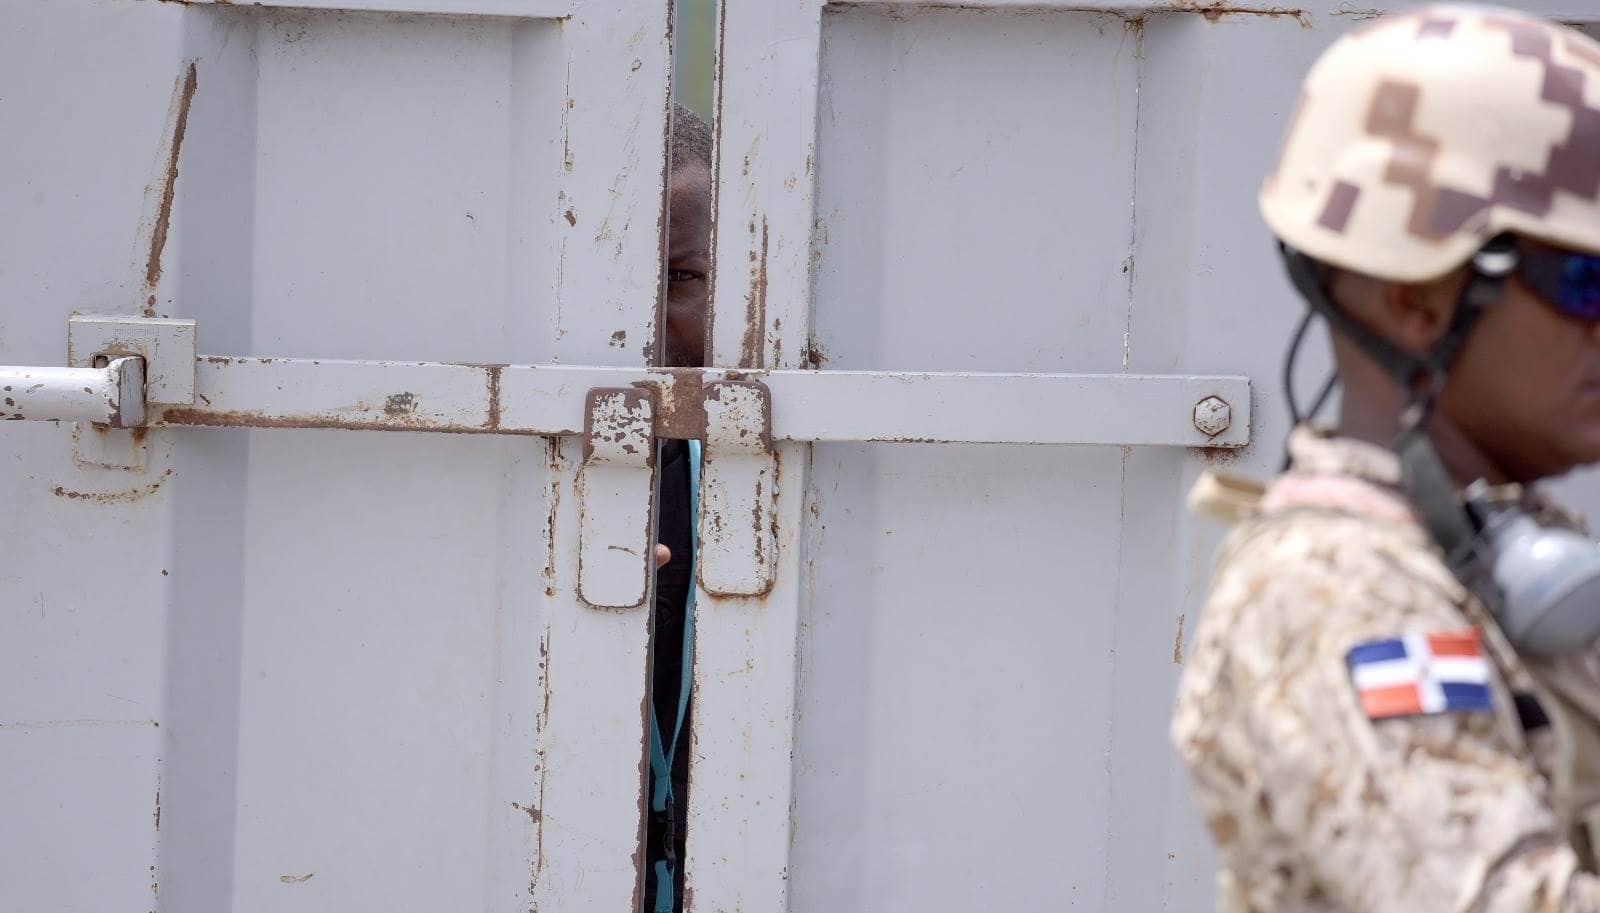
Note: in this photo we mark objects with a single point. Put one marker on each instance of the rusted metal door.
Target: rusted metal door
(956, 695)
(299, 667)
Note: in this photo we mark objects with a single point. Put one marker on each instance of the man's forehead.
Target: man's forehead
(689, 177)
(689, 220)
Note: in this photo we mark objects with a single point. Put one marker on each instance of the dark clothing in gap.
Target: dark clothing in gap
(664, 832)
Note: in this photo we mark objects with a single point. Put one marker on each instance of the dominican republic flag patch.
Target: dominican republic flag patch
(1421, 674)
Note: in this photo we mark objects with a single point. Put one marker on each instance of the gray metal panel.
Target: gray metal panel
(993, 635)
(307, 669)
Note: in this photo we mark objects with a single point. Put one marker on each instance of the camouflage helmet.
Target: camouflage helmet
(1422, 136)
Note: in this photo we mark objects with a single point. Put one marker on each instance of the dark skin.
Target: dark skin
(1522, 401)
(688, 265)
(688, 268)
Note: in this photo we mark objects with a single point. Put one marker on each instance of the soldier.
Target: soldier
(1394, 699)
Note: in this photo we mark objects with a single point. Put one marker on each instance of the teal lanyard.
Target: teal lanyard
(661, 758)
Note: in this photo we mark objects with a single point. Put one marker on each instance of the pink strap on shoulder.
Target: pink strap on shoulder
(1337, 492)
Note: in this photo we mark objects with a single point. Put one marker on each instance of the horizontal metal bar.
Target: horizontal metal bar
(1304, 12)
(1209, 8)
(112, 395)
(1116, 409)
(519, 9)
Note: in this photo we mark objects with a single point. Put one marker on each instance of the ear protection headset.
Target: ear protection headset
(1542, 584)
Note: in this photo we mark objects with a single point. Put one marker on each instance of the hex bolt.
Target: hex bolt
(1212, 416)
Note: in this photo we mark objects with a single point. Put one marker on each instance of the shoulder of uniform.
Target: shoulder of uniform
(1323, 574)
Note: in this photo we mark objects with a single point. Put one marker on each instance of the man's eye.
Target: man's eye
(682, 275)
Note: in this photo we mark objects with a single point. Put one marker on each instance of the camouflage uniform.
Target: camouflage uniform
(1315, 807)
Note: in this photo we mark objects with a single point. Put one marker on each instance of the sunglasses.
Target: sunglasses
(1568, 281)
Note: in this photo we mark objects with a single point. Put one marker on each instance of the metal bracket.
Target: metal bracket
(738, 542)
(616, 498)
(167, 347)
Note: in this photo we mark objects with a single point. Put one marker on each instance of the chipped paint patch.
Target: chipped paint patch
(1177, 643)
(297, 879)
(400, 404)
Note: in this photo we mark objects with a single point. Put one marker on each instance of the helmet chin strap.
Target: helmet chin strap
(1425, 479)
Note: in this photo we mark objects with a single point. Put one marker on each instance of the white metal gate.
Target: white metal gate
(254, 660)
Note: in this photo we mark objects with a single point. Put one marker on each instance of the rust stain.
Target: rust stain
(554, 462)
(1214, 11)
(492, 373)
(1177, 644)
(1219, 456)
(716, 184)
(572, 218)
(114, 497)
(528, 810)
(680, 403)
(185, 90)
(544, 724)
(209, 418)
(644, 791)
(755, 524)
(813, 357)
(566, 132)
(752, 353)
(297, 879)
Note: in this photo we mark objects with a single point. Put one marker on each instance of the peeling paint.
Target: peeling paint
(113, 497)
(400, 404)
(813, 356)
(1358, 13)
(752, 354)
(1177, 643)
(492, 381)
(555, 465)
